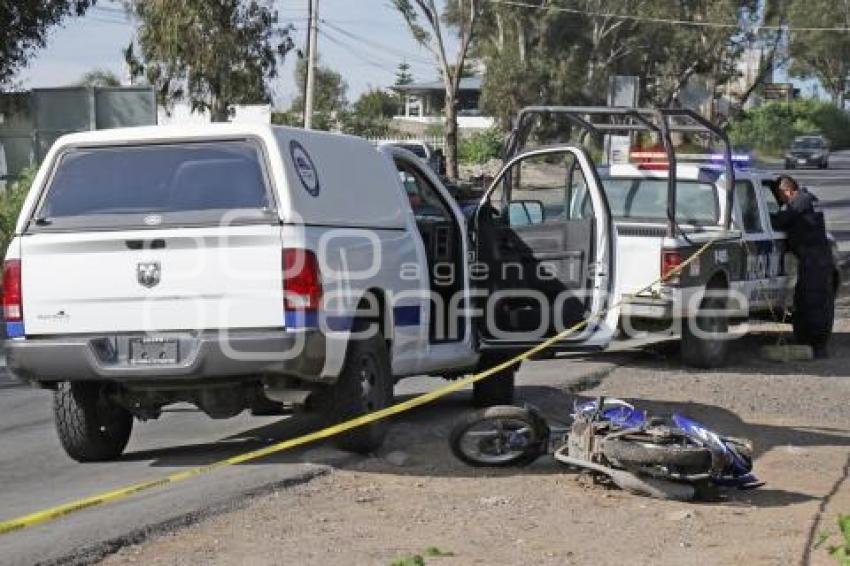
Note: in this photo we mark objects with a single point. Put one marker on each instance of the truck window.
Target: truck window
(646, 199)
(748, 204)
(422, 196)
(542, 182)
(121, 185)
(769, 197)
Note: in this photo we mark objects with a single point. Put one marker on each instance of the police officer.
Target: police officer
(813, 296)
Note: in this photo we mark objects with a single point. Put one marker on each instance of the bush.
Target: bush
(480, 147)
(772, 127)
(10, 205)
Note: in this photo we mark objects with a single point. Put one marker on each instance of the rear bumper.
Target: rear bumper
(202, 355)
(652, 308)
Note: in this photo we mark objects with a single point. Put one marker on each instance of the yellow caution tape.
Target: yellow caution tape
(52, 513)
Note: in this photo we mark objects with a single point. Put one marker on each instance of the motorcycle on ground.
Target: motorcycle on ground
(669, 458)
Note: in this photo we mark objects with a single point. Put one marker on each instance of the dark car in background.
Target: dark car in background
(808, 151)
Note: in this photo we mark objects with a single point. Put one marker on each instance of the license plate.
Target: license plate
(154, 351)
(801, 161)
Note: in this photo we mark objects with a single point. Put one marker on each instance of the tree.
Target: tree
(820, 54)
(215, 53)
(403, 76)
(672, 54)
(431, 36)
(531, 57)
(24, 27)
(371, 116)
(99, 77)
(329, 97)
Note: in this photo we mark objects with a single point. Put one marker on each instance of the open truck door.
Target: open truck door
(544, 252)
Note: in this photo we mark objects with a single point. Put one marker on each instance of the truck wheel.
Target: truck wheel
(699, 349)
(91, 427)
(365, 385)
(497, 389)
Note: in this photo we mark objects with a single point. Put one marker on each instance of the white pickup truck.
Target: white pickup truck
(667, 205)
(237, 266)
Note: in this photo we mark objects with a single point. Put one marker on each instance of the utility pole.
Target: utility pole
(311, 65)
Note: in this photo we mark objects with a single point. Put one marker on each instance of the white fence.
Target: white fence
(433, 141)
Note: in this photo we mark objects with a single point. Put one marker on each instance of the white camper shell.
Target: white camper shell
(248, 266)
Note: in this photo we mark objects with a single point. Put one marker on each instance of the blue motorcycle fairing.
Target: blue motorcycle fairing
(729, 468)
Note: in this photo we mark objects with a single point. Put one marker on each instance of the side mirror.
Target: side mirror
(525, 212)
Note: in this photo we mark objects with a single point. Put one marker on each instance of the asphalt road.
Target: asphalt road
(35, 473)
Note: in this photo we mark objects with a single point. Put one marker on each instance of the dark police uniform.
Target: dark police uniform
(813, 295)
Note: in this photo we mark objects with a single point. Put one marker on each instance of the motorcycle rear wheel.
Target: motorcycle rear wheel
(680, 458)
(497, 437)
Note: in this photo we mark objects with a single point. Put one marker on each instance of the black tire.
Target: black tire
(637, 454)
(497, 389)
(489, 448)
(788, 164)
(698, 350)
(365, 385)
(91, 428)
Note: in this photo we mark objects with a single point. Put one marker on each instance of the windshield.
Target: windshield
(126, 185)
(646, 199)
(808, 143)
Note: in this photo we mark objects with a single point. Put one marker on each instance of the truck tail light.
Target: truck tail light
(670, 262)
(302, 282)
(13, 298)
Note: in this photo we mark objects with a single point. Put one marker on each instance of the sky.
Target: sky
(363, 40)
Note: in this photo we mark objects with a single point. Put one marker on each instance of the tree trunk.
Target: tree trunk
(218, 110)
(451, 137)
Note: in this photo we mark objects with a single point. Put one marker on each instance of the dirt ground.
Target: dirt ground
(415, 499)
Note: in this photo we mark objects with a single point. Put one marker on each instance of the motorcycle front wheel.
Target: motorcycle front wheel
(498, 436)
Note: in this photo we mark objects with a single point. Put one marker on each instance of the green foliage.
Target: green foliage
(213, 54)
(371, 116)
(549, 56)
(841, 550)
(329, 99)
(435, 131)
(435, 552)
(418, 560)
(11, 202)
(480, 147)
(772, 127)
(412, 560)
(24, 27)
(99, 77)
(293, 119)
(823, 55)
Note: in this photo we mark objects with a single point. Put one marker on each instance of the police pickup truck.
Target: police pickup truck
(666, 206)
(246, 267)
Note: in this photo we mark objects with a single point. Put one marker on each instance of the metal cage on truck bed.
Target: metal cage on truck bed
(603, 120)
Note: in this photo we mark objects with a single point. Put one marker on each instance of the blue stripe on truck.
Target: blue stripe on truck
(407, 316)
(14, 329)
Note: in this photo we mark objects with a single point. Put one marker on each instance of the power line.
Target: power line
(382, 48)
(349, 47)
(654, 20)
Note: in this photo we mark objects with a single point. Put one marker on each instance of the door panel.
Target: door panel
(544, 272)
